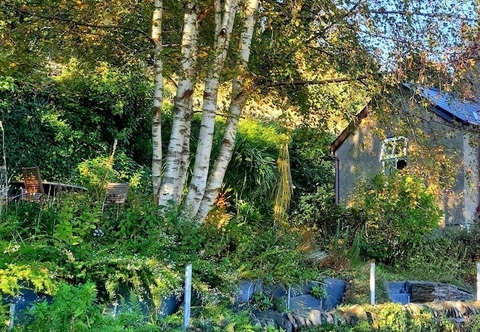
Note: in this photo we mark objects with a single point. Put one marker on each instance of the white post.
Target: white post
(372, 283)
(478, 281)
(188, 295)
(12, 316)
(289, 294)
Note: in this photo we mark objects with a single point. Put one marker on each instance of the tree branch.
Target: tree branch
(78, 23)
(412, 13)
(315, 82)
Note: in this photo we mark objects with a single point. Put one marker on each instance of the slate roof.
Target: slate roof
(443, 104)
(451, 108)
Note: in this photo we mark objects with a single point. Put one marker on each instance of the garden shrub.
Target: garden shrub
(441, 256)
(75, 308)
(73, 117)
(400, 211)
(468, 239)
(313, 170)
(328, 221)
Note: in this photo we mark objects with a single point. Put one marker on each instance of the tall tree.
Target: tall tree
(284, 50)
(157, 97)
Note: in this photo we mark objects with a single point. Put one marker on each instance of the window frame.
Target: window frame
(393, 157)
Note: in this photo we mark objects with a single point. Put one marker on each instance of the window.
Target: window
(393, 155)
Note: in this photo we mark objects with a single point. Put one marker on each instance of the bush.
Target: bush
(73, 117)
(400, 211)
(327, 220)
(75, 309)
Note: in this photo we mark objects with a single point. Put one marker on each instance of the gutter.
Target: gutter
(336, 161)
(337, 179)
(477, 212)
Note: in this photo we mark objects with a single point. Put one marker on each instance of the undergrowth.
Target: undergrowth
(69, 245)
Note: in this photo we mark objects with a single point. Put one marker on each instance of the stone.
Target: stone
(315, 316)
(457, 309)
(353, 314)
(270, 316)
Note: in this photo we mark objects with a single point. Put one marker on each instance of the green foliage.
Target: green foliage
(4, 316)
(25, 219)
(333, 228)
(311, 164)
(74, 117)
(122, 224)
(271, 253)
(399, 212)
(75, 309)
(74, 221)
(262, 301)
(396, 318)
(442, 254)
(467, 241)
(253, 173)
(253, 170)
(107, 104)
(34, 273)
(318, 291)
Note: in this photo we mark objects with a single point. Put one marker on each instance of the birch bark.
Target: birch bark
(205, 139)
(239, 85)
(157, 98)
(172, 181)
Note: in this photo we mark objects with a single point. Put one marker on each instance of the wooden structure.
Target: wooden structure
(33, 183)
(116, 194)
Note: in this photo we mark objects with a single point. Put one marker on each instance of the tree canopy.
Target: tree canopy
(313, 60)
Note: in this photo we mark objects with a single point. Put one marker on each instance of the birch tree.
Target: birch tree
(286, 51)
(157, 97)
(204, 185)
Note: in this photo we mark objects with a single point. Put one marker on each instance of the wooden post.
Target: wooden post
(372, 283)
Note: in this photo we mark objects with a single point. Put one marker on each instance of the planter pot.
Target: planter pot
(304, 289)
(397, 292)
(302, 302)
(246, 289)
(24, 301)
(278, 295)
(169, 305)
(335, 289)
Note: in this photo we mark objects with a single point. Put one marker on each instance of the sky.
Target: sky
(432, 26)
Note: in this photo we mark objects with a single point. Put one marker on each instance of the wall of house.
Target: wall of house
(359, 158)
(471, 178)
(460, 201)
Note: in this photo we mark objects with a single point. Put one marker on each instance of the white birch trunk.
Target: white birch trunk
(157, 98)
(205, 140)
(184, 164)
(218, 19)
(172, 183)
(238, 97)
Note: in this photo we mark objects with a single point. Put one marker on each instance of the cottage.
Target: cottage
(433, 135)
